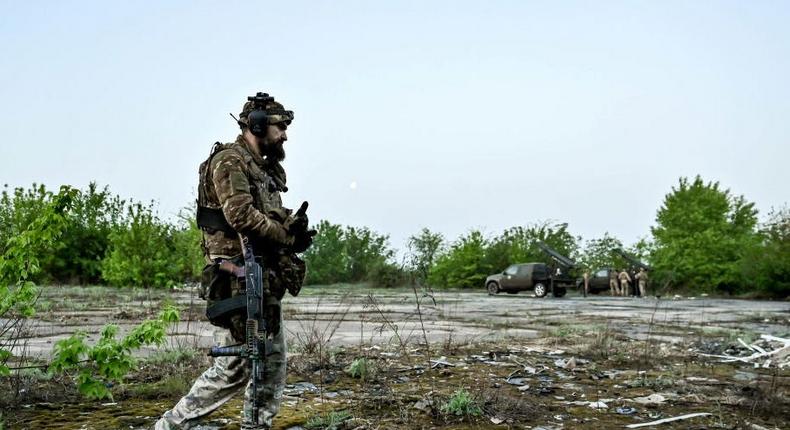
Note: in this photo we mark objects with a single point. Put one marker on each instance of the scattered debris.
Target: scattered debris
(653, 399)
(441, 362)
(598, 405)
(778, 356)
(668, 420)
(625, 410)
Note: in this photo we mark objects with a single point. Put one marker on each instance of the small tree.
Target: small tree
(326, 259)
(20, 261)
(142, 253)
(767, 266)
(599, 253)
(424, 248)
(464, 264)
(702, 233)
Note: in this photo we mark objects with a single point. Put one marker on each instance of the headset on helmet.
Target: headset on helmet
(258, 119)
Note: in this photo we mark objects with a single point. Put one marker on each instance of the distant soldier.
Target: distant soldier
(625, 283)
(614, 286)
(586, 282)
(641, 279)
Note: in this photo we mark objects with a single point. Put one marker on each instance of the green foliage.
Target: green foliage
(97, 224)
(470, 259)
(76, 257)
(464, 264)
(351, 254)
(424, 248)
(187, 246)
(360, 368)
(767, 265)
(110, 359)
(520, 244)
(702, 233)
(462, 404)
(331, 421)
(142, 254)
(599, 253)
(21, 260)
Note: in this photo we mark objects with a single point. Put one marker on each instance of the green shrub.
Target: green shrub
(20, 261)
(701, 235)
(331, 421)
(110, 359)
(361, 368)
(142, 252)
(351, 254)
(462, 404)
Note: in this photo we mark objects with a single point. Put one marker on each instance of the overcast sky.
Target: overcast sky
(448, 115)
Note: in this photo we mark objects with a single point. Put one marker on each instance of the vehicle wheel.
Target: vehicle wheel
(559, 291)
(540, 290)
(493, 288)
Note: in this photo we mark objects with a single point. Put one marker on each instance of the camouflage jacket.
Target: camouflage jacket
(244, 187)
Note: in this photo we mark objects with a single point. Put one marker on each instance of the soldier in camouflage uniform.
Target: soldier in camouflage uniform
(242, 181)
(614, 287)
(641, 279)
(625, 283)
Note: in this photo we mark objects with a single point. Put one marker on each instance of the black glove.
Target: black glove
(298, 222)
(303, 240)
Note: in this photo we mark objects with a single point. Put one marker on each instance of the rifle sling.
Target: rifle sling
(213, 219)
(226, 306)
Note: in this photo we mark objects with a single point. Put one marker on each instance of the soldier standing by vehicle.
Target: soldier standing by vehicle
(239, 194)
(613, 283)
(586, 282)
(625, 283)
(641, 279)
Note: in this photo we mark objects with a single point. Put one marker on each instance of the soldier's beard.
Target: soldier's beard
(274, 151)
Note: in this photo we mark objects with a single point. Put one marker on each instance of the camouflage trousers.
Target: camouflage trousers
(625, 288)
(642, 288)
(226, 378)
(614, 288)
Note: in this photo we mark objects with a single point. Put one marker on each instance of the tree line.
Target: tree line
(705, 240)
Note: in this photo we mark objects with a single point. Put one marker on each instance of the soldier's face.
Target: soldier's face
(272, 145)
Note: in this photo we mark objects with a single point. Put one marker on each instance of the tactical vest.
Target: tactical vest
(264, 188)
(225, 293)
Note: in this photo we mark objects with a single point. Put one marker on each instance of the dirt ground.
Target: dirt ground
(525, 362)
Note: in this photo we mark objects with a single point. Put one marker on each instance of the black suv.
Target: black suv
(529, 276)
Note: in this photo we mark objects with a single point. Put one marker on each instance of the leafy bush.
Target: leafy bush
(766, 267)
(462, 404)
(423, 249)
(702, 233)
(470, 259)
(110, 359)
(351, 254)
(20, 261)
(145, 251)
(332, 421)
(361, 368)
(76, 257)
(464, 264)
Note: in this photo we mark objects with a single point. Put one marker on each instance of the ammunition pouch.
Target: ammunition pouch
(288, 275)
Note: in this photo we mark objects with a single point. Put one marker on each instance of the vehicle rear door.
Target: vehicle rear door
(540, 273)
(523, 280)
(601, 279)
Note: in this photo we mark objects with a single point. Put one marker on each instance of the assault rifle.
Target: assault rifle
(258, 341)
